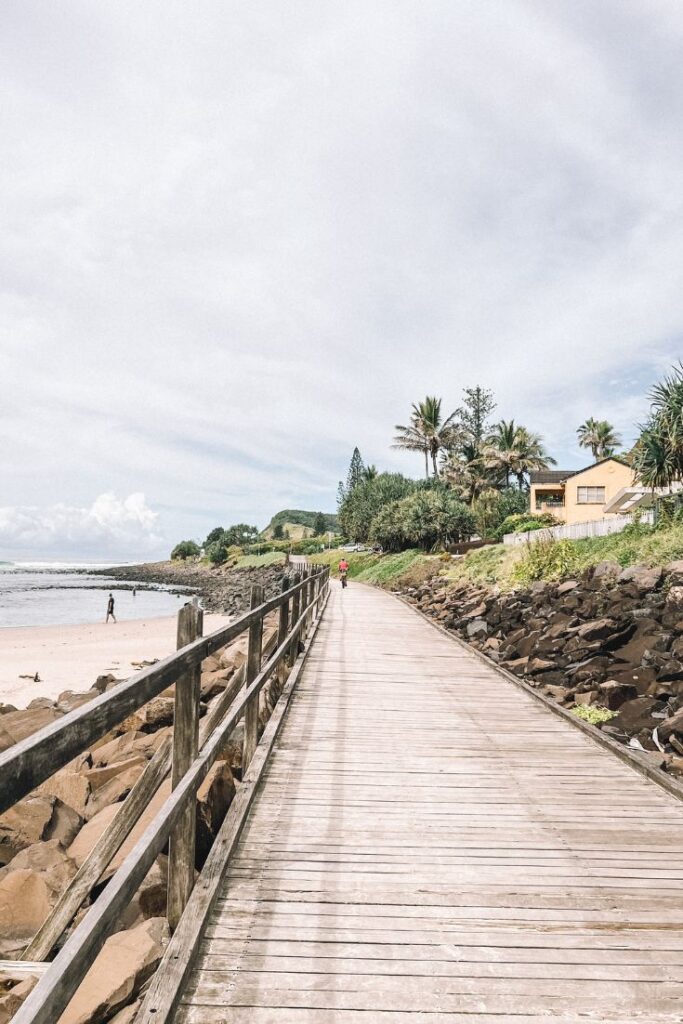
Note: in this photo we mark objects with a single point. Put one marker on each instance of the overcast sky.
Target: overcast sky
(238, 239)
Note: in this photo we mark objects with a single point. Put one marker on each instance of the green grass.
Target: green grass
(485, 565)
(514, 566)
(252, 561)
(594, 714)
(381, 570)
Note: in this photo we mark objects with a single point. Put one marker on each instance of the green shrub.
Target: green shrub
(594, 714)
(387, 528)
(364, 501)
(186, 549)
(524, 522)
(427, 519)
(217, 552)
(492, 508)
(545, 559)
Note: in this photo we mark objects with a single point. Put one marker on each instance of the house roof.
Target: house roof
(549, 476)
(600, 462)
(558, 476)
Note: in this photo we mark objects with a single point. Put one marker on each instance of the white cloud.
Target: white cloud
(235, 245)
(113, 526)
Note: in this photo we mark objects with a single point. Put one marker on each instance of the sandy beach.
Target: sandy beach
(71, 657)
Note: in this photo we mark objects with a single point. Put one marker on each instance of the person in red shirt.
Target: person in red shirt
(343, 570)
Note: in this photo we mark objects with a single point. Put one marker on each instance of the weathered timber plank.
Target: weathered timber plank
(429, 839)
(165, 989)
(62, 978)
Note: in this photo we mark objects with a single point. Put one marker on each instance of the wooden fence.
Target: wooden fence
(188, 756)
(578, 531)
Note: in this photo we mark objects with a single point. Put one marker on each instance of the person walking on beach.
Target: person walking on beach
(110, 609)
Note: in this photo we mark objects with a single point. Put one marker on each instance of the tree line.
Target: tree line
(476, 477)
(223, 543)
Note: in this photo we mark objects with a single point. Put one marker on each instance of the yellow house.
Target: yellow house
(579, 495)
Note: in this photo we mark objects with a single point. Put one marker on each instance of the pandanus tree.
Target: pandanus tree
(600, 436)
(428, 432)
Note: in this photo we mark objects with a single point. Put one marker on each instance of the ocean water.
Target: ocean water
(39, 595)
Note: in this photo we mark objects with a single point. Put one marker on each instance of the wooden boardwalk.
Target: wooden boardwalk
(431, 844)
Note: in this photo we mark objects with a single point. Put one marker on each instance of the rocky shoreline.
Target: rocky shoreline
(221, 589)
(610, 639)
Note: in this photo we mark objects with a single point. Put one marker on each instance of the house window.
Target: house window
(590, 495)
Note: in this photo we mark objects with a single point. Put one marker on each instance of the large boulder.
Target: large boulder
(29, 888)
(598, 629)
(34, 819)
(71, 787)
(671, 725)
(97, 777)
(642, 577)
(636, 714)
(613, 694)
(477, 629)
(150, 899)
(124, 963)
(17, 725)
(69, 701)
(234, 656)
(118, 749)
(214, 683)
(113, 791)
(606, 571)
(91, 832)
(152, 716)
(13, 992)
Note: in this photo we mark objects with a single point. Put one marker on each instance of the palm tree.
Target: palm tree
(369, 472)
(464, 471)
(657, 457)
(512, 450)
(600, 436)
(427, 432)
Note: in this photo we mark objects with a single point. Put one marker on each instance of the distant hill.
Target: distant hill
(298, 523)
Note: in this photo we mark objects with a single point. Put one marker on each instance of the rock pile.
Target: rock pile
(46, 836)
(222, 589)
(612, 638)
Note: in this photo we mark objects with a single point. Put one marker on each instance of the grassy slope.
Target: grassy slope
(269, 558)
(382, 570)
(298, 522)
(502, 565)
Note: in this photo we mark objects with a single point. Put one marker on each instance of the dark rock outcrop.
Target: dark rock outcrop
(612, 638)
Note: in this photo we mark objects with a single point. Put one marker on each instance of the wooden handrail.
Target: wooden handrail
(65, 973)
(33, 760)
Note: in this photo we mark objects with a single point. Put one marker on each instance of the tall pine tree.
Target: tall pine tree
(319, 525)
(356, 471)
(478, 404)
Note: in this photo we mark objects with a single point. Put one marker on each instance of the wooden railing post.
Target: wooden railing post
(311, 596)
(253, 667)
(185, 749)
(283, 626)
(304, 604)
(296, 605)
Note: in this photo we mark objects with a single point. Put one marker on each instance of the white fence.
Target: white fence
(578, 531)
